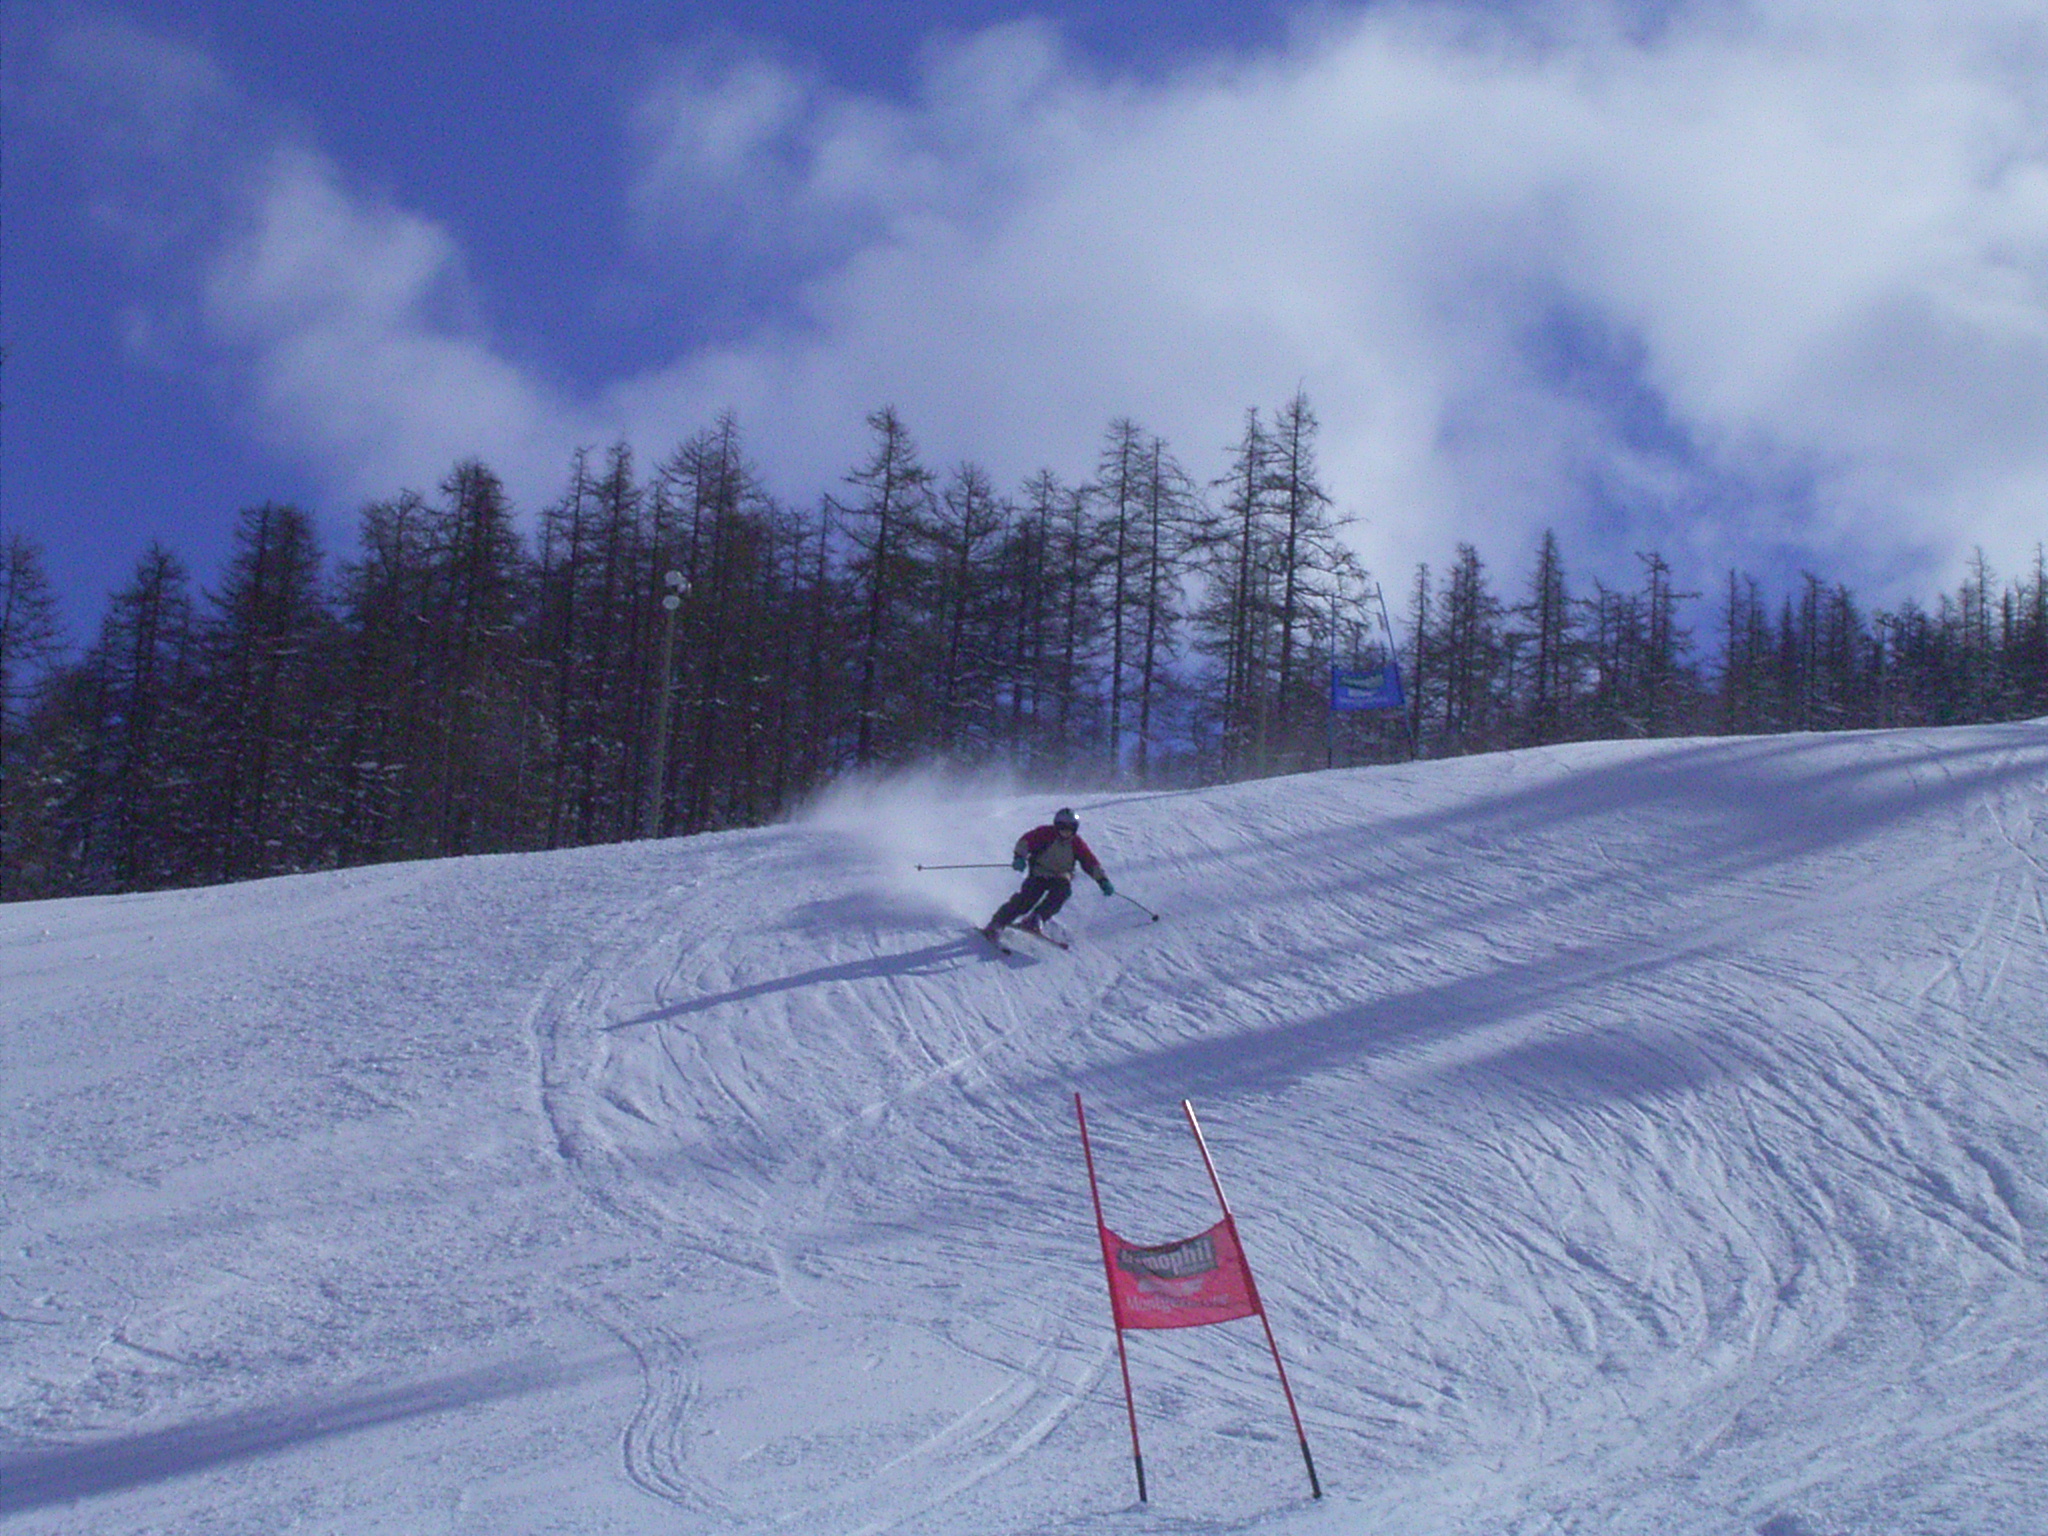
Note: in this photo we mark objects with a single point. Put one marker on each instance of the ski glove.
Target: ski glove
(1107, 888)
(1020, 863)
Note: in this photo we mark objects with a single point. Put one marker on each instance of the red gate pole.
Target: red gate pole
(1130, 1405)
(1251, 1282)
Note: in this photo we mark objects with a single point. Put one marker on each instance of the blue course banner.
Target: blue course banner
(1359, 688)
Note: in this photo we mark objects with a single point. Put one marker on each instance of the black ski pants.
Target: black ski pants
(1040, 896)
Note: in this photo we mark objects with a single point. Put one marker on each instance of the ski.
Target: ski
(1002, 934)
(1000, 947)
(1044, 937)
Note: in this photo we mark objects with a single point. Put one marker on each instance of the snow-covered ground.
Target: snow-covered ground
(1628, 1138)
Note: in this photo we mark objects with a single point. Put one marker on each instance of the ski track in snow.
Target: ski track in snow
(1628, 1137)
(653, 1039)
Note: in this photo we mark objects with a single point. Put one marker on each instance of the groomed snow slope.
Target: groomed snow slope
(1629, 1138)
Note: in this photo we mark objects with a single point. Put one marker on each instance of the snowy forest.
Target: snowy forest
(676, 651)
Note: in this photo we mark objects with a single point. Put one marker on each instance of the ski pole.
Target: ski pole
(961, 866)
(1140, 906)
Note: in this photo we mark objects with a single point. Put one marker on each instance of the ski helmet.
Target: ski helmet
(1065, 820)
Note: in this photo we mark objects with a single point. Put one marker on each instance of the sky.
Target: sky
(1758, 285)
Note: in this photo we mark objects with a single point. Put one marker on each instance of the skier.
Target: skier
(1046, 857)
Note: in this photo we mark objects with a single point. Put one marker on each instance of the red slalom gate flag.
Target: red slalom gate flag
(1201, 1279)
(1186, 1284)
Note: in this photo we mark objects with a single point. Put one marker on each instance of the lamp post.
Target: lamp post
(657, 758)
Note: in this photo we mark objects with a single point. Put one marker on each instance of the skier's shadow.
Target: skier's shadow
(932, 960)
(64, 1474)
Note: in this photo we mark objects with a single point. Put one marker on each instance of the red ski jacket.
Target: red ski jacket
(1053, 857)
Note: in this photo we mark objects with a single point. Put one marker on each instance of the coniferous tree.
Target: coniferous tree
(967, 529)
(1078, 716)
(485, 785)
(1616, 641)
(1424, 682)
(31, 640)
(618, 747)
(61, 847)
(1552, 639)
(1170, 520)
(2029, 647)
(594, 615)
(266, 726)
(794, 710)
(1975, 613)
(1923, 670)
(563, 601)
(1304, 543)
(1471, 647)
(1054, 623)
(149, 727)
(1843, 656)
(886, 525)
(1118, 494)
(1746, 657)
(826, 604)
(31, 635)
(1664, 683)
(1233, 622)
(1030, 584)
(729, 613)
(389, 697)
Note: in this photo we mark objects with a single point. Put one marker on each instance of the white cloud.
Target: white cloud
(347, 325)
(1770, 281)
(1773, 280)
(362, 351)
(743, 148)
(145, 110)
